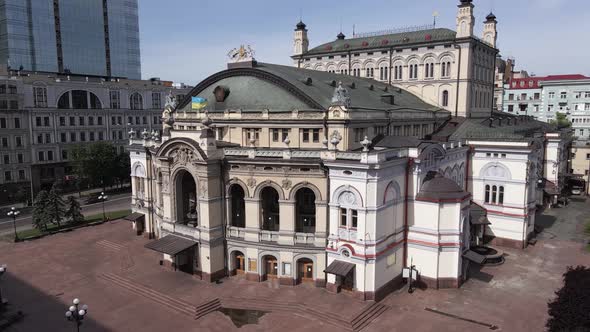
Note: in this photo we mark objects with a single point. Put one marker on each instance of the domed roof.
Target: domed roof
(440, 188)
(300, 25)
(466, 1)
(490, 17)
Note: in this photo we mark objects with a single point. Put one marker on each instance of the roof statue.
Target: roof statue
(167, 118)
(241, 54)
(171, 101)
(341, 96)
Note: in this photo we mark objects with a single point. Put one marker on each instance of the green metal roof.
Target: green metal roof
(277, 87)
(384, 41)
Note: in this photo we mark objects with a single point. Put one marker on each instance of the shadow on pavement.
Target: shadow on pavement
(42, 312)
(476, 273)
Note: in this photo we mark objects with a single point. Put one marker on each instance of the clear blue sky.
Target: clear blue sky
(187, 40)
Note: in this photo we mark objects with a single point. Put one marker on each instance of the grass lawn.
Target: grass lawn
(87, 219)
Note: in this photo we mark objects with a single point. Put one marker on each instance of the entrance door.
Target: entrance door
(240, 264)
(347, 283)
(306, 272)
(271, 268)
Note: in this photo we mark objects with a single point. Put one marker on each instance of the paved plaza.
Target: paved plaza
(108, 268)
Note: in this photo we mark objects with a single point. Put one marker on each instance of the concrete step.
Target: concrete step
(367, 316)
(163, 299)
(208, 307)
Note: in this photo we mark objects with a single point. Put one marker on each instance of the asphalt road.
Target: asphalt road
(114, 203)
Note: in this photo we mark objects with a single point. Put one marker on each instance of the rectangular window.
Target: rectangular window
(252, 133)
(8, 176)
(120, 134)
(62, 121)
(91, 121)
(72, 121)
(38, 121)
(40, 139)
(21, 174)
(83, 136)
(549, 108)
(19, 141)
(101, 136)
(81, 120)
(316, 135)
(17, 123)
(397, 131)
(115, 99)
(4, 142)
(144, 119)
(563, 95)
(6, 159)
(47, 138)
(305, 135)
(72, 137)
(64, 154)
(12, 89)
(40, 96)
(50, 155)
(130, 120)
(156, 120)
(99, 120)
(114, 135)
(46, 121)
(63, 137)
(343, 219)
(3, 123)
(551, 95)
(91, 136)
(587, 107)
(354, 216)
(587, 94)
(20, 158)
(41, 156)
(113, 120)
(537, 96)
(156, 100)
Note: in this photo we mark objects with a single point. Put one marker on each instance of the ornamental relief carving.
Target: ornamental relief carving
(286, 184)
(347, 198)
(203, 189)
(251, 182)
(183, 156)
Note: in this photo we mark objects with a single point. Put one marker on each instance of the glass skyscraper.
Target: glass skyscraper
(89, 37)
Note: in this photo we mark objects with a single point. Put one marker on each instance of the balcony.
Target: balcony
(305, 238)
(236, 232)
(269, 236)
(193, 232)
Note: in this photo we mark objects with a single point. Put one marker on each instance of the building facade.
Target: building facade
(42, 117)
(97, 38)
(580, 165)
(308, 176)
(453, 70)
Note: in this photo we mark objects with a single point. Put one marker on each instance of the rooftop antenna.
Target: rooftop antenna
(434, 15)
(300, 14)
(353, 30)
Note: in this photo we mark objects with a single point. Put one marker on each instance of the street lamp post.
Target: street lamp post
(14, 213)
(2, 300)
(103, 198)
(76, 313)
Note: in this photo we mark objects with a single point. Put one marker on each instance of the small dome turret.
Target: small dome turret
(300, 25)
(340, 36)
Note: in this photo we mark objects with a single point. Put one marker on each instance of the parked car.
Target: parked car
(92, 199)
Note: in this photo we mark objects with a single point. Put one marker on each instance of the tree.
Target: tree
(40, 217)
(122, 170)
(73, 213)
(561, 120)
(54, 208)
(96, 162)
(569, 311)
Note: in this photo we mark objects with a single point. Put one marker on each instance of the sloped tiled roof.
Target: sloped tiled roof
(387, 40)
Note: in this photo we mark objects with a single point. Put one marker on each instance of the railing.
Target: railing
(236, 232)
(304, 238)
(193, 232)
(393, 31)
(269, 236)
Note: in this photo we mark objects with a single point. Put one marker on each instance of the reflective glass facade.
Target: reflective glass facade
(27, 35)
(89, 37)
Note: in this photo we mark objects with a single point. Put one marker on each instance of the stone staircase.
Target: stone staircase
(266, 304)
(169, 302)
(368, 315)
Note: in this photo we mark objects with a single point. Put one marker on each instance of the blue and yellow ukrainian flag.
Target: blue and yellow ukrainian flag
(198, 103)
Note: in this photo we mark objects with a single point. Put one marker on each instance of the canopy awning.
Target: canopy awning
(339, 268)
(170, 244)
(135, 216)
(474, 257)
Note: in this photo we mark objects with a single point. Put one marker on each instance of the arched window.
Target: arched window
(305, 211)
(398, 71)
(370, 71)
(270, 209)
(413, 71)
(79, 99)
(383, 73)
(445, 98)
(136, 101)
(445, 68)
(501, 195)
(494, 193)
(429, 69)
(487, 194)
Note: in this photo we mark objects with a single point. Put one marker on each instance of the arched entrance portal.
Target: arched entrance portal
(186, 199)
(238, 207)
(270, 209)
(238, 262)
(305, 211)
(270, 267)
(305, 270)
